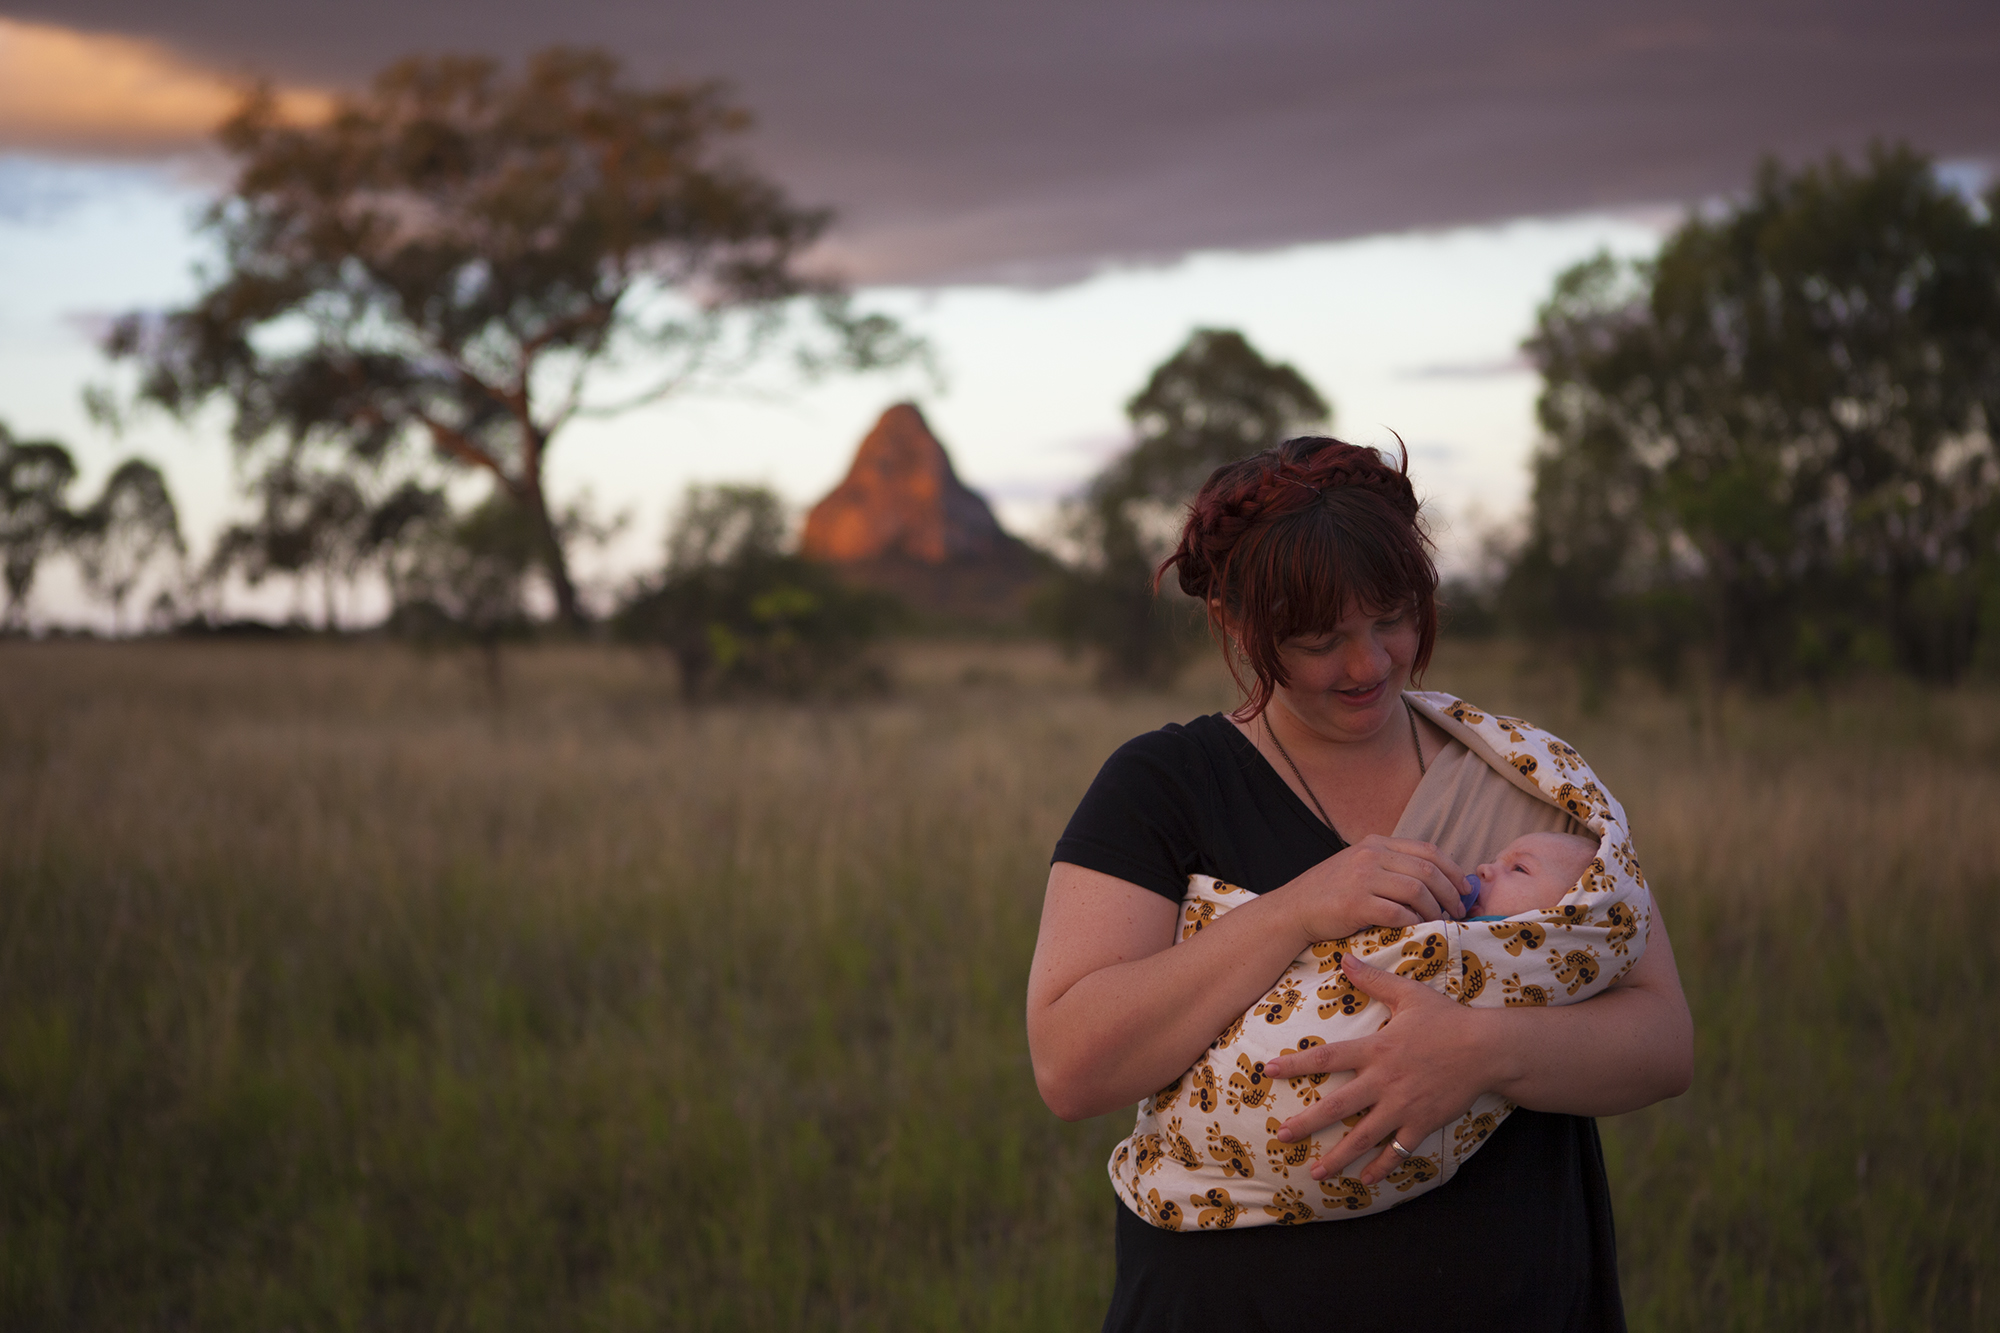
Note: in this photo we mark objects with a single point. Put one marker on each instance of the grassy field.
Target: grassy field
(333, 995)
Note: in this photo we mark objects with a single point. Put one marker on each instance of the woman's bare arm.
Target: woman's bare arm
(1114, 1012)
(1116, 1009)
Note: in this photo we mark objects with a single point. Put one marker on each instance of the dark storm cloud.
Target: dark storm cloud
(1042, 137)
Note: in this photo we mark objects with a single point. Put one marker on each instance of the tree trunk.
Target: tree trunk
(554, 559)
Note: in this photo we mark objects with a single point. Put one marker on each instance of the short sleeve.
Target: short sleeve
(1139, 821)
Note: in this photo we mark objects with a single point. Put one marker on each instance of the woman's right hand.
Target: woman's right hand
(1375, 882)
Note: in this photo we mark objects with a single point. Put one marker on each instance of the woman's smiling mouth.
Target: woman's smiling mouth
(1366, 694)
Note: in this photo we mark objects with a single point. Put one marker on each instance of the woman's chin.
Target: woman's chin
(1355, 722)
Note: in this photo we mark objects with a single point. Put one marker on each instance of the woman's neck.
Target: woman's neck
(1359, 784)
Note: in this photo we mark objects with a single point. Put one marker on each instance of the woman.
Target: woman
(1318, 579)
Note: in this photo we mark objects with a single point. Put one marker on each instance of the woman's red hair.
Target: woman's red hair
(1280, 544)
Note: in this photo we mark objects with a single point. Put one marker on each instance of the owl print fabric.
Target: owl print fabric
(1205, 1152)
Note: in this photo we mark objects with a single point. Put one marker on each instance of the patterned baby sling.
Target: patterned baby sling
(1205, 1152)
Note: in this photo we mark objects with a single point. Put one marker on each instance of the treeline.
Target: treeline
(446, 570)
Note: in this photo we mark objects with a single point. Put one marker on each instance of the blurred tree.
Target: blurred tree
(741, 614)
(400, 522)
(471, 571)
(115, 538)
(1215, 400)
(309, 522)
(121, 535)
(457, 578)
(1776, 439)
(457, 256)
(35, 520)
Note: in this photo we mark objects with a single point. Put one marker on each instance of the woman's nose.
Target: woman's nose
(1367, 659)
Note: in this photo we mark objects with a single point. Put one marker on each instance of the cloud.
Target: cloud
(1514, 363)
(63, 90)
(1037, 140)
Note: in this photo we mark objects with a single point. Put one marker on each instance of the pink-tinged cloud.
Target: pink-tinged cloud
(68, 91)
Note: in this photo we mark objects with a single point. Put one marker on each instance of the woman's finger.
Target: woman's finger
(1333, 1058)
(1443, 898)
(1388, 1162)
(1424, 851)
(1422, 890)
(1395, 912)
(1358, 1144)
(1344, 1103)
(1379, 983)
(1368, 1151)
(1401, 893)
(1426, 862)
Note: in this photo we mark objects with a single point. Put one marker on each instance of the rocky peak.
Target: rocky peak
(901, 499)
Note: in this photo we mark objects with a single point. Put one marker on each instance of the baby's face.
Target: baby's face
(1532, 872)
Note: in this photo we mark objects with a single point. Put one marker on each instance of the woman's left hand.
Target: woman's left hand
(1414, 1074)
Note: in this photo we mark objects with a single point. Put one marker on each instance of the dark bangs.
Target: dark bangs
(1295, 576)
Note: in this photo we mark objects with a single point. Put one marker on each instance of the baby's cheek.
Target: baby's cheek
(1514, 895)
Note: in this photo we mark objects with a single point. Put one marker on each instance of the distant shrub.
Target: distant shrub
(740, 615)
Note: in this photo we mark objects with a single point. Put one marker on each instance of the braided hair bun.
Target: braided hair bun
(1283, 543)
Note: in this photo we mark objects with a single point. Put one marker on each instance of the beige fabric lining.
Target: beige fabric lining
(1470, 811)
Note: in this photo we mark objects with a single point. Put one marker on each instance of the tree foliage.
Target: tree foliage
(35, 519)
(741, 614)
(330, 525)
(459, 255)
(1775, 441)
(466, 574)
(116, 538)
(1215, 400)
(126, 531)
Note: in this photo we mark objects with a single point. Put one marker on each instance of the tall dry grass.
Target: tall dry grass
(334, 995)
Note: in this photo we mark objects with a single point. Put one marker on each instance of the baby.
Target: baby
(1531, 873)
(1197, 1139)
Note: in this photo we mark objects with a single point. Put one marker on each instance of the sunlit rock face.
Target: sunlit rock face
(901, 498)
(903, 522)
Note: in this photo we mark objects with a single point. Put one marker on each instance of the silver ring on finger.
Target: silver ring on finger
(1396, 1147)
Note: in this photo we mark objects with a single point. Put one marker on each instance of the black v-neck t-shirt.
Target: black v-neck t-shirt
(1520, 1239)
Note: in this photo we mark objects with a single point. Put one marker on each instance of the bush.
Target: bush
(741, 616)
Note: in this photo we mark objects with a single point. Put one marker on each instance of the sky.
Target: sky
(1054, 194)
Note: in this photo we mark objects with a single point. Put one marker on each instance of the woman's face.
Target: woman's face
(1346, 684)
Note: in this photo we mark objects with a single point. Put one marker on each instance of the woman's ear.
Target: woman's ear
(1232, 642)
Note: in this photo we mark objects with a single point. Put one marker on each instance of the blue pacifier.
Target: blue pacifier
(1467, 900)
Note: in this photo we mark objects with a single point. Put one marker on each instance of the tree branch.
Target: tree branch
(464, 448)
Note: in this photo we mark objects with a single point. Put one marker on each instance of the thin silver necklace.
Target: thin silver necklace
(1423, 769)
